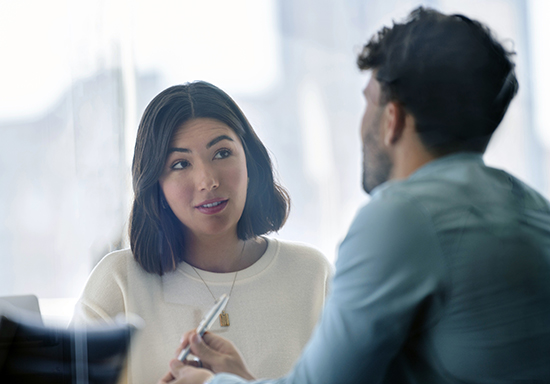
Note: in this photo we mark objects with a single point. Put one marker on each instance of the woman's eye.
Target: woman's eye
(181, 164)
(222, 154)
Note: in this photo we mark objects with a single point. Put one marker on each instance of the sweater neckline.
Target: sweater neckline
(222, 278)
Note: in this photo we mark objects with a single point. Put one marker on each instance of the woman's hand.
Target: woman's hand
(216, 353)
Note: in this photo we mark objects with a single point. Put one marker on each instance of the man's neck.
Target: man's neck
(408, 158)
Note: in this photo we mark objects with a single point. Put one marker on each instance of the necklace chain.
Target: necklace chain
(209, 290)
(224, 317)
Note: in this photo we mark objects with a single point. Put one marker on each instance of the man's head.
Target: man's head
(377, 164)
(446, 72)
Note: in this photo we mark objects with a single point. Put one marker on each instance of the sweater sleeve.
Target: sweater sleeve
(103, 297)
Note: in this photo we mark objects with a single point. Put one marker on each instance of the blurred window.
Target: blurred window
(76, 77)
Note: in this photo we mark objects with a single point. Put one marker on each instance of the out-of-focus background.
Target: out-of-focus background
(75, 77)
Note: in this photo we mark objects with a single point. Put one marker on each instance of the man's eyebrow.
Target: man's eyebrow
(218, 139)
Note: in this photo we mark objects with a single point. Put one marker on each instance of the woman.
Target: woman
(204, 195)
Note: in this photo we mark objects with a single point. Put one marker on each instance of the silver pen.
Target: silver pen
(207, 322)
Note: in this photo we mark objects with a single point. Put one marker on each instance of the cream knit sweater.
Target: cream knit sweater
(273, 309)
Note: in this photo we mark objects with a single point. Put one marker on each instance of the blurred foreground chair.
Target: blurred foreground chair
(25, 305)
(33, 353)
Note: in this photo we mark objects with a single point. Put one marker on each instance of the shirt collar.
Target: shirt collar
(434, 166)
(445, 161)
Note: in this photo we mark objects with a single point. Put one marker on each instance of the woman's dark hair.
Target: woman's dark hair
(156, 234)
(449, 72)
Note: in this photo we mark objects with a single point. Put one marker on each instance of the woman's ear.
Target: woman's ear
(393, 123)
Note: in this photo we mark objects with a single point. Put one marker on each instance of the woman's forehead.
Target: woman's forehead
(202, 129)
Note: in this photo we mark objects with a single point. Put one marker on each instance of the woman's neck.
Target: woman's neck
(222, 254)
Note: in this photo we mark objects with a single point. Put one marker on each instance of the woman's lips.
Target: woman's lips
(212, 207)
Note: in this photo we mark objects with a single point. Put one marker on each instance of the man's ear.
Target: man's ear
(393, 123)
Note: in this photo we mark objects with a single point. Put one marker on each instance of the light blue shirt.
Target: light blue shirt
(442, 278)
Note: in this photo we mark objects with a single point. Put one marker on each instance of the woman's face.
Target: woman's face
(205, 177)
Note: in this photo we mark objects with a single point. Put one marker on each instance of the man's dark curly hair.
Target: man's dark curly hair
(449, 72)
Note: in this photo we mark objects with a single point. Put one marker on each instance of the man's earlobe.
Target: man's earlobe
(394, 123)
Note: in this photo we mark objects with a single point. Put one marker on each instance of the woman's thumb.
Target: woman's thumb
(202, 350)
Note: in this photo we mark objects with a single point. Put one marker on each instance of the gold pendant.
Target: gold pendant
(224, 319)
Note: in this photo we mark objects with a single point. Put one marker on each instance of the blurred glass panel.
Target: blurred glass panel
(63, 179)
(76, 77)
(233, 44)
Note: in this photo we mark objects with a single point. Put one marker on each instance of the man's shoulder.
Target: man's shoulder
(453, 197)
(528, 197)
(392, 207)
(451, 188)
(393, 235)
(418, 191)
(455, 183)
(401, 214)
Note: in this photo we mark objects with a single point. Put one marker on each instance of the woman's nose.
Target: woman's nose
(207, 178)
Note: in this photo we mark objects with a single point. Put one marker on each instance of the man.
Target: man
(444, 277)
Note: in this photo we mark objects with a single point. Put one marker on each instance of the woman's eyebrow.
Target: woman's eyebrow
(210, 144)
(218, 139)
(175, 149)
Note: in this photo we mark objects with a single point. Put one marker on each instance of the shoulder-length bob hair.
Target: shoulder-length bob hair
(156, 235)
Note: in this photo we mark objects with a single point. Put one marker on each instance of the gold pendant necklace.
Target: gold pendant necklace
(224, 316)
(224, 319)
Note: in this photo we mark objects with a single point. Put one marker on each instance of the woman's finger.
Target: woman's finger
(203, 351)
(184, 341)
